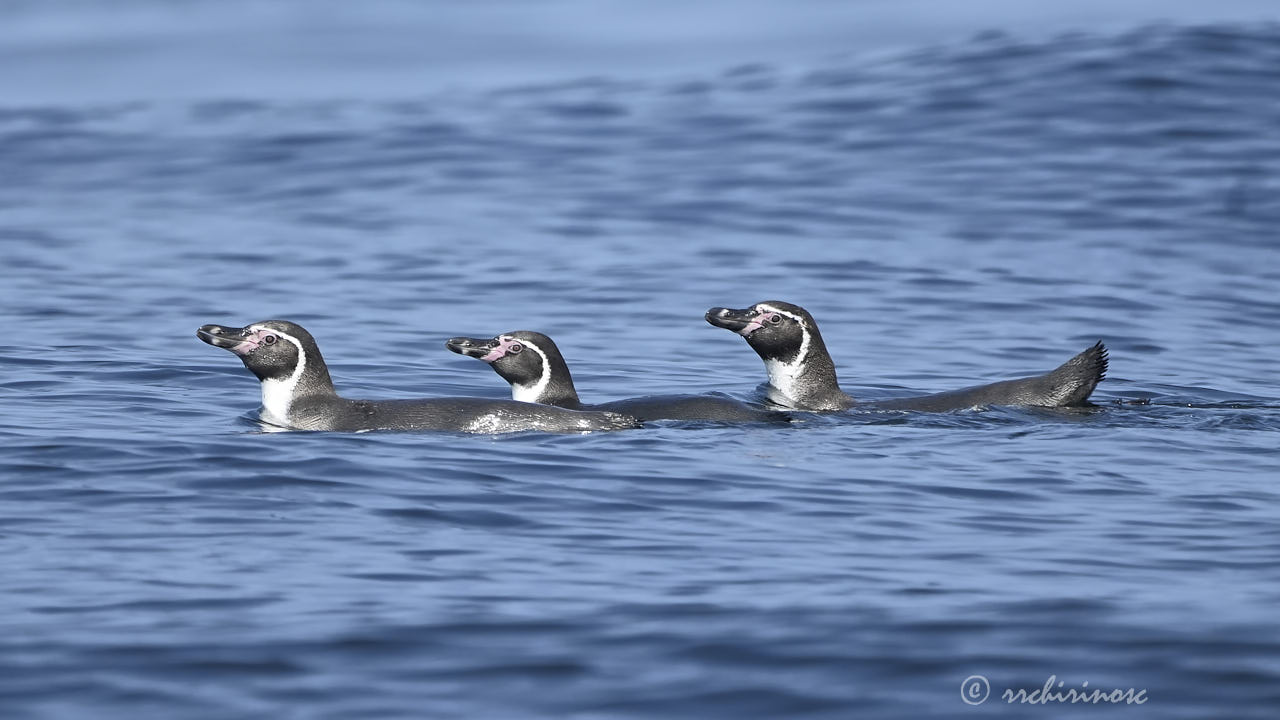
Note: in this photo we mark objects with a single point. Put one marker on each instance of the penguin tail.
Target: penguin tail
(1076, 379)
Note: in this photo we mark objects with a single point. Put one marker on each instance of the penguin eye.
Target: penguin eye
(268, 339)
(773, 318)
(515, 348)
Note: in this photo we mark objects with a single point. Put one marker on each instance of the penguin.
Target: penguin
(538, 373)
(298, 394)
(803, 376)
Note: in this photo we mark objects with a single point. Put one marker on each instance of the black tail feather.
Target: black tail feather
(1101, 361)
(1078, 377)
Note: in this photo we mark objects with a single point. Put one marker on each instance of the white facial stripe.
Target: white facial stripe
(532, 392)
(783, 375)
(277, 395)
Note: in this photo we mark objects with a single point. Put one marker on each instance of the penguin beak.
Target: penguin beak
(234, 339)
(471, 347)
(743, 322)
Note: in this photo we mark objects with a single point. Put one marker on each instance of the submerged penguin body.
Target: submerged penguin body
(531, 362)
(1067, 386)
(803, 376)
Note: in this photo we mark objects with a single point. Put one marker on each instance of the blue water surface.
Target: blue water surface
(960, 212)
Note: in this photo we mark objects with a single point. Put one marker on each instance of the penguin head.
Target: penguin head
(273, 350)
(515, 355)
(776, 330)
(529, 361)
(786, 337)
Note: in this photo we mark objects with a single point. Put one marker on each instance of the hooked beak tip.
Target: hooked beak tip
(470, 347)
(233, 339)
(729, 319)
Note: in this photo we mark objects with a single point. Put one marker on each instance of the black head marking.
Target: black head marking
(523, 360)
(776, 330)
(784, 333)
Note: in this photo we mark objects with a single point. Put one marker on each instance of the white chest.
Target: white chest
(277, 396)
(785, 377)
(531, 393)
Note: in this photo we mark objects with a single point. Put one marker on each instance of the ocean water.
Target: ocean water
(955, 212)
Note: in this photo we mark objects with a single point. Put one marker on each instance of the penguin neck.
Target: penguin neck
(560, 395)
(554, 386)
(807, 380)
(310, 378)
